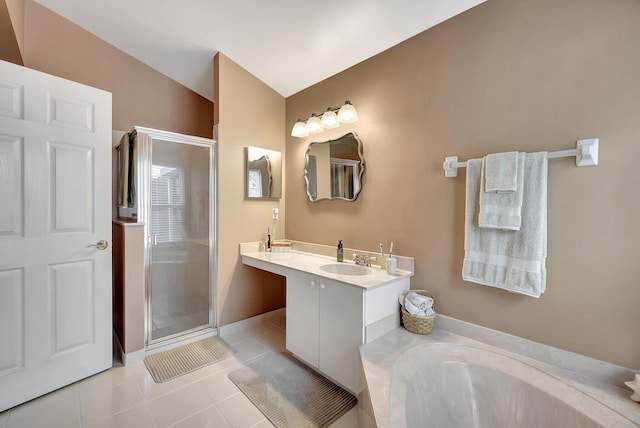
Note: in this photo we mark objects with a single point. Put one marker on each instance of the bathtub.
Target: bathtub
(488, 380)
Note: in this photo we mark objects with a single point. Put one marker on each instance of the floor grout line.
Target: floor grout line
(77, 388)
(146, 404)
(193, 414)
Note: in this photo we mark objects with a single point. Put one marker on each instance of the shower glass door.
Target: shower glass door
(180, 250)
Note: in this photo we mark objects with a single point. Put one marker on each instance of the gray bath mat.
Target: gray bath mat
(170, 364)
(290, 394)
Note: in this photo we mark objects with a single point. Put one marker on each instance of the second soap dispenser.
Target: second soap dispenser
(340, 255)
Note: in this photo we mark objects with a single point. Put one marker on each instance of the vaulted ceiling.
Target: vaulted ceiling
(288, 44)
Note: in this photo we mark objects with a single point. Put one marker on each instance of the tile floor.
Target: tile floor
(124, 397)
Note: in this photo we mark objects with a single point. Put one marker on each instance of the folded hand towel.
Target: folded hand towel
(501, 172)
(417, 304)
(422, 302)
(411, 308)
(512, 260)
(501, 210)
(429, 313)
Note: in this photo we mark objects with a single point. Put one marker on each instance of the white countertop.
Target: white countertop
(280, 263)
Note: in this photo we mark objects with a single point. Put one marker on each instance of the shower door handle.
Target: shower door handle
(153, 240)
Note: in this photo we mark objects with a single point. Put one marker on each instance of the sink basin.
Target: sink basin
(346, 269)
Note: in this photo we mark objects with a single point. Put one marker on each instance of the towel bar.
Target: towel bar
(586, 153)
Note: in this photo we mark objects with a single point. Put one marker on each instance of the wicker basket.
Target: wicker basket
(416, 324)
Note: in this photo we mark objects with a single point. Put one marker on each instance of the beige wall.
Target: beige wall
(16, 11)
(141, 95)
(506, 75)
(11, 31)
(250, 114)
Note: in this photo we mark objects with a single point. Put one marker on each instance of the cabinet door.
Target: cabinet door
(302, 316)
(341, 333)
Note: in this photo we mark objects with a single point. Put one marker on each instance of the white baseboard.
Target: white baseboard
(131, 357)
(180, 341)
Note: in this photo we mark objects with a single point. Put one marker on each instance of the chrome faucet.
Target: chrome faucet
(362, 259)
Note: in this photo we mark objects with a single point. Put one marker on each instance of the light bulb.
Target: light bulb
(347, 113)
(329, 120)
(299, 129)
(313, 124)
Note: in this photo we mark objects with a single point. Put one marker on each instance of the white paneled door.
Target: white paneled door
(55, 187)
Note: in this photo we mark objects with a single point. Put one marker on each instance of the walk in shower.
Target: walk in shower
(176, 201)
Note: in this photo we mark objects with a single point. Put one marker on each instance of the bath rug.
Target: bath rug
(175, 362)
(290, 394)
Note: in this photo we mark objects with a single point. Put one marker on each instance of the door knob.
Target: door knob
(100, 245)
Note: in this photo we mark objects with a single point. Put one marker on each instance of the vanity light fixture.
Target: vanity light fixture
(299, 129)
(347, 113)
(329, 119)
(313, 124)
(332, 118)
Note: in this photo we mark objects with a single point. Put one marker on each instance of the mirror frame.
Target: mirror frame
(274, 158)
(360, 173)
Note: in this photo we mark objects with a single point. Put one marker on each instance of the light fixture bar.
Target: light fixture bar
(331, 118)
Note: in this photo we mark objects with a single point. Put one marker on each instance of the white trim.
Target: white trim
(174, 137)
(144, 213)
(348, 162)
(131, 357)
(179, 341)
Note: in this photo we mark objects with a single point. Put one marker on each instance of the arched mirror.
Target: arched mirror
(334, 168)
(264, 173)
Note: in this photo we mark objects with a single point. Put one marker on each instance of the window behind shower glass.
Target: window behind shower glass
(167, 201)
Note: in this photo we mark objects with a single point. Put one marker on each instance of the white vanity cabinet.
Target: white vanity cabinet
(325, 326)
(330, 314)
(303, 316)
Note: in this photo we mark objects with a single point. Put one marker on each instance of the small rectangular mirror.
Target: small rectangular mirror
(263, 173)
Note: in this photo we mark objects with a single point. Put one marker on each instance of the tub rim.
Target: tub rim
(517, 368)
(599, 380)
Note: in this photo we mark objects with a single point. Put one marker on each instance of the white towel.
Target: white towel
(411, 308)
(132, 196)
(414, 309)
(428, 313)
(501, 171)
(501, 210)
(511, 260)
(123, 171)
(422, 302)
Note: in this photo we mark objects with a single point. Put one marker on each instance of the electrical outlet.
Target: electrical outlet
(274, 213)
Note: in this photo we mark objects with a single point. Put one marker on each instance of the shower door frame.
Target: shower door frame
(145, 152)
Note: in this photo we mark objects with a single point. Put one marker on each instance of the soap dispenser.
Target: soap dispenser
(340, 256)
(268, 239)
